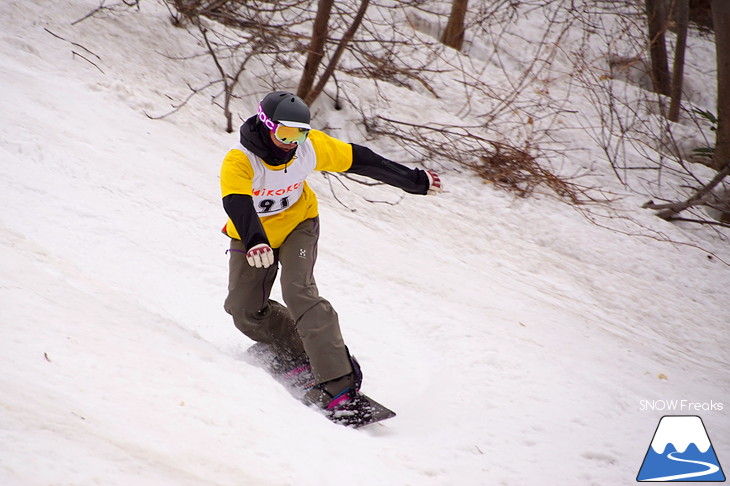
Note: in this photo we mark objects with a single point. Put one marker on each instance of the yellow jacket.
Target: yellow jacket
(281, 196)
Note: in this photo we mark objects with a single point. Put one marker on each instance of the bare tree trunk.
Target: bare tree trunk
(721, 21)
(657, 24)
(314, 92)
(316, 47)
(453, 35)
(682, 20)
(721, 157)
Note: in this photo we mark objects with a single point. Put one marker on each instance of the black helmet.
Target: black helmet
(285, 108)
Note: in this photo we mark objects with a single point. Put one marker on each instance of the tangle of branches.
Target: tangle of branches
(507, 167)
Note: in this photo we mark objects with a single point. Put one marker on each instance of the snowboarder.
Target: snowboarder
(273, 220)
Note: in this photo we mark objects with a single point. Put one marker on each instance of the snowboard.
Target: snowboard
(296, 376)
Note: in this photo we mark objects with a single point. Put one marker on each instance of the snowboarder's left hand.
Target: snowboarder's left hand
(434, 183)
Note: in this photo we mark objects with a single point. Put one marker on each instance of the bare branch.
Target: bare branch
(697, 198)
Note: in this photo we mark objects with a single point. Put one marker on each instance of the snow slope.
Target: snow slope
(516, 340)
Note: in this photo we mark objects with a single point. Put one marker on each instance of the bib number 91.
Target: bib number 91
(273, 205)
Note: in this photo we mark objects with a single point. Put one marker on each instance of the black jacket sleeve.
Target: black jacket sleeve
(239, 208)
(367, 163)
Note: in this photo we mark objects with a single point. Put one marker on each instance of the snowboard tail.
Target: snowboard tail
(296, 376)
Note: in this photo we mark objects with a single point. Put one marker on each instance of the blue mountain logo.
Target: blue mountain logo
(681, 451)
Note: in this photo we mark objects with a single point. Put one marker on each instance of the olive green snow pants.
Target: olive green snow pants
(308, 323)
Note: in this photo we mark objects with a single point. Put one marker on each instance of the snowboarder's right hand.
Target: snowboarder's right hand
(260, 256)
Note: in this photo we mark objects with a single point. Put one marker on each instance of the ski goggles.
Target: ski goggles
(284, 131)
(286, 134)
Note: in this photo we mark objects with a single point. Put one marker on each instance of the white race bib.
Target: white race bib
(276, 190)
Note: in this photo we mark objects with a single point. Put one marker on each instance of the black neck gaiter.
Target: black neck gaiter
(255, 137)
